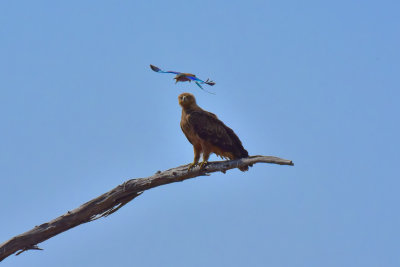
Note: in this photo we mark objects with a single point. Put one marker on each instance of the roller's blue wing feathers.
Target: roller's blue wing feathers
(156, 69)
(197, 80)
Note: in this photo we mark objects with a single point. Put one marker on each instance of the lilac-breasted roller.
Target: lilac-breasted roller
(185, 77)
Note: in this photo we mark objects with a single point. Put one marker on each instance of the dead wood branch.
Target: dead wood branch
(110, 202)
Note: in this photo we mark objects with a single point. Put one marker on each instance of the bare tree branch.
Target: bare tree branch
(110, 202)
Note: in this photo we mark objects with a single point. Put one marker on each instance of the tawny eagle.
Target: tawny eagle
(208, 134)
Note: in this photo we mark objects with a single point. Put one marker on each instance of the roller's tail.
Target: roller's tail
(209, 82)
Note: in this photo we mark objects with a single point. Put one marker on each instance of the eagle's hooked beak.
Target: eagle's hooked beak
(183, 98)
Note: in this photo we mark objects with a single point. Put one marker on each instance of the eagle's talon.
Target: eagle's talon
(192, 165)
(203, 164)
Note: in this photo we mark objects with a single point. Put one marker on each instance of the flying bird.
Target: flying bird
(208, 134)
(185, 77)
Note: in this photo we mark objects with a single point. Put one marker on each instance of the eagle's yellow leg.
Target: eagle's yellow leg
(206, 155)
(196, 151)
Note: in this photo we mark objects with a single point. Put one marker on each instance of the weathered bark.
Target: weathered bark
(111, 201)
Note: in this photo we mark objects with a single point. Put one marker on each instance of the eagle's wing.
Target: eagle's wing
(209, 128)
(156, 69)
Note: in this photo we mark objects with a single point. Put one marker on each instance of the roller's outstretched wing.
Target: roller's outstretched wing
(156, 69)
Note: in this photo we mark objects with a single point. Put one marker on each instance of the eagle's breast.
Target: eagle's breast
(188, 129)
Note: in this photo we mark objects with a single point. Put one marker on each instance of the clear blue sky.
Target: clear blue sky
(316, 82)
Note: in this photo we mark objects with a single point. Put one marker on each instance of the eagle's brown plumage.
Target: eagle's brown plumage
(207, 133)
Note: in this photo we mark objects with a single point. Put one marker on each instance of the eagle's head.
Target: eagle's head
(186, 100)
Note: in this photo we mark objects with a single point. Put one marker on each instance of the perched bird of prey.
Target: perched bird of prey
(185, 77)
(208, 134)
